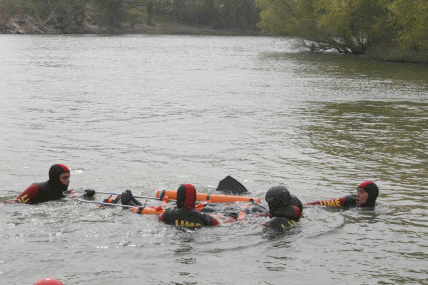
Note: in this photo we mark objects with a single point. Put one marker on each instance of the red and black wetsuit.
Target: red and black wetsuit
(185, 215)
(344, 201)
(53, 189)
(285, 209)
(187, 218)
(350, 201)
(283, 218)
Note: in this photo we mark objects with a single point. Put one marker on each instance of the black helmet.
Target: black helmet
(278, 196)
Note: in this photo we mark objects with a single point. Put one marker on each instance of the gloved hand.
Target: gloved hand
(128, 199)
(89, 193)
(66, 193)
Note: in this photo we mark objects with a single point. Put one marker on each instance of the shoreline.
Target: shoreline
(26, 24)
(29, 25)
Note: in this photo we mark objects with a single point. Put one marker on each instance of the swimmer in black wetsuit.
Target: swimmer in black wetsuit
(285, 209)
(53, 189)
(185, 215)
(367, 193)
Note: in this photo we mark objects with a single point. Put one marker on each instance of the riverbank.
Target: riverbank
(29, 25)
(392, 52)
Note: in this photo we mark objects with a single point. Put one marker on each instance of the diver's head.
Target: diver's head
(367, 193)
(186, 196)
(278, 197)
(59, 176)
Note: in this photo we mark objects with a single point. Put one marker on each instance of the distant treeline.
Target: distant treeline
(347, 26)
(217, 14)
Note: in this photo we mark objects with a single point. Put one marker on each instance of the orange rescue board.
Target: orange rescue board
(213, 198)
(148, 211)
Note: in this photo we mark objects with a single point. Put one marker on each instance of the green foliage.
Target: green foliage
(234, 14)
(59, 14)
(114, 10)
(134, 15)
(241, 14)
(350, 17)
(14, 7)
(353, 21)
(349, 26)
(277, 17)
(410, 19)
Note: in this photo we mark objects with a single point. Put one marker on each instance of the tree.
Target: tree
(410, 19)
(179, 10)
(58, 13)
(241, 14)
(65, 12)
(347, 26)
(288, 18)
(114, 10)
(151, 6)
(208, 14)
(354, 22)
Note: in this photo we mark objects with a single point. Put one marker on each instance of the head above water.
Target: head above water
(56, 170)
(278, 197)
(59, 176)
(367, 193)
(186, 196)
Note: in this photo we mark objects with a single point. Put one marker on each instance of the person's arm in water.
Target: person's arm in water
(335, 203)
(367, 193)
(26, 196)
(211, 220)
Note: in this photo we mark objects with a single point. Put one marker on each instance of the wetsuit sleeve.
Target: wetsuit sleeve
(209, 220)
(160, 217)
(27, 196)
(214, 221)
(332, 203)
(297, 212)
(350, 201)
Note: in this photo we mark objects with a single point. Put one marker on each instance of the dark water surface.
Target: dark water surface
(152, 112)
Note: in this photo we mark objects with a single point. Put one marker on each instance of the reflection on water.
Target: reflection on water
(385, 141)
(353, 67)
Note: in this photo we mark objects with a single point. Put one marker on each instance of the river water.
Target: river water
(147, 112)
